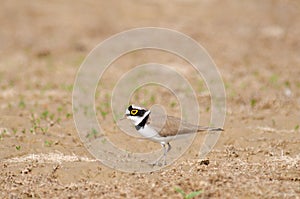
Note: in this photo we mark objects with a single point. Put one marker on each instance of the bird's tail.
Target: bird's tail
(210, 129)
(215, 129)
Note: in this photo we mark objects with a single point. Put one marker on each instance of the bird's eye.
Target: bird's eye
(133, 112)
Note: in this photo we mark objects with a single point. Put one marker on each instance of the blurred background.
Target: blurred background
(255, 45)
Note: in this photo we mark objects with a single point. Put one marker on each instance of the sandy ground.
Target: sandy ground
(255, 45)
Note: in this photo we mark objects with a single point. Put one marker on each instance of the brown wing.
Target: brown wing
(171, 126)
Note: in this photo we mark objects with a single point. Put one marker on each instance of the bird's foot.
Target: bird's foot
(163, 156)
(155, 164)
(158, 163)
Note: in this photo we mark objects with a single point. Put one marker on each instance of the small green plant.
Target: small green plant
(15, 130)
(103, 113)
(58, 120)
(296, 127)
(287, 83)
(36, 123)
(4, 131)
(103, 141)
(67, 87)
(92, 134)
(68, 115)
(274, 79)
(22, 104)
(51, 116)
(144, 104)
(253, 102)
(152, 99)
(201, 85)
(44, 129)
(45, 115)
(188, 196)
(227, 85)
(18, 147)
(59, 109)
(173, 104)
(207, 108)
(9, 105)
(48, 143)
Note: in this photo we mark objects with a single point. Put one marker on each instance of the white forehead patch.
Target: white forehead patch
(137, 107)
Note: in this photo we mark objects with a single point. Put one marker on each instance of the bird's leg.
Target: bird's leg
(162, 156)
(165, 156)
(165, 153)
(169, 147)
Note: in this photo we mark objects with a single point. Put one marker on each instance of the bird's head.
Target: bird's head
(136, 114)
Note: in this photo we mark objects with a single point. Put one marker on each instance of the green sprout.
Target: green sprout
(188, 196)
(67, 87)
(68, 115)
(173, 104)
(45, 115)
(201, 86)
(22, 104)
(207, 109)
(103, 113)
(59, 109)
(44, 129)
(103, 141)
(274, 79)
(152, 99)
(51, 116)
(253, 102)
(15, 130)
(144, 103)
(58, 120)
(92, 134)
(9, 105)
(287, 83)
(48, 143)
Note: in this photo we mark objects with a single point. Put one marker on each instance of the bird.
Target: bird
(161, 129)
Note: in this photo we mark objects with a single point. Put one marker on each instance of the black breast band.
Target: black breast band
(142, 123)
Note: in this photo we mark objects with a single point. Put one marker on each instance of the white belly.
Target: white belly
(148, 132)
(153, 135)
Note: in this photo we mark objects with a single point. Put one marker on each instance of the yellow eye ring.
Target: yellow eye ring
(133, 112)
